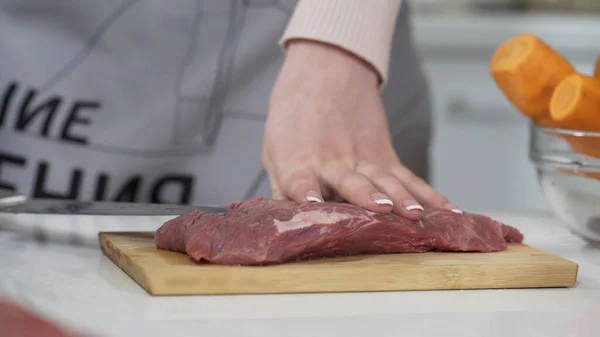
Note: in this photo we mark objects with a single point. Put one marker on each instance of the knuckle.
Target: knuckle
(297, 179)
(365, 166)
(300, 187)
(414, 182)
(347, 184)
(398, 191)
(385, 179)
(335, 173)
(349, 161)
(356, 183)
(414, 179)
(375, 173)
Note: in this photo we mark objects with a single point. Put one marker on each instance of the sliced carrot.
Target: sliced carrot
(574, 109)
(575, 103)
(527, 70)
(597, 68)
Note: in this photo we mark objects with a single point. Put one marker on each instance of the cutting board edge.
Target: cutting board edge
(563, 260)
(234, 292)
(131, 268)
(545, 252)
(164, 285)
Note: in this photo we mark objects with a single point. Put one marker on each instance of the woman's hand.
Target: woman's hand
(327, 135)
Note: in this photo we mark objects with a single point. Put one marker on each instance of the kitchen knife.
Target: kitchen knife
(22, 204)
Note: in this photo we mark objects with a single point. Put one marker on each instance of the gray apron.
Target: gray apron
(159, 101)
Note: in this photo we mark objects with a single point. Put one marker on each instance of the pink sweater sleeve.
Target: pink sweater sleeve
(362, 27)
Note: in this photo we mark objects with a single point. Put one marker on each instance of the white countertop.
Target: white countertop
(78, 287)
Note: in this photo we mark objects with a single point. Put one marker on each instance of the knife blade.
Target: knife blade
(22, 204)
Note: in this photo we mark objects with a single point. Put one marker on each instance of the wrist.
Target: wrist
(331, 60)
(363, 27)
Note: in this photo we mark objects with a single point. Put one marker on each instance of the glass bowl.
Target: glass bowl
(568, 169)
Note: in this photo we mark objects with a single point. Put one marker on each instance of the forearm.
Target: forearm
(362, 27)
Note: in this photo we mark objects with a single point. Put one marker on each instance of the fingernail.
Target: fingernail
(411, 205)
(312, 196)
(381, 199)
(453, 208)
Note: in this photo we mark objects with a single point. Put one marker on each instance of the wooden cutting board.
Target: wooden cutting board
(168, 273)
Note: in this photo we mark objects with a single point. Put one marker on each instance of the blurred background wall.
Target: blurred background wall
(480, 151)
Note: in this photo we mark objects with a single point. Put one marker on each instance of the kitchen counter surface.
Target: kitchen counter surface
(78, 287)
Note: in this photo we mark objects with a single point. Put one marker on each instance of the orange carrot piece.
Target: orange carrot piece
(527, 70)
(575, 103)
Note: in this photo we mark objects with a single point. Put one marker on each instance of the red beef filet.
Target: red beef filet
(18, 321)
(269, 232)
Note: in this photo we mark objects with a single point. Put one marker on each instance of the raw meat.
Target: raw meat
(17, 321)
(269, 232)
